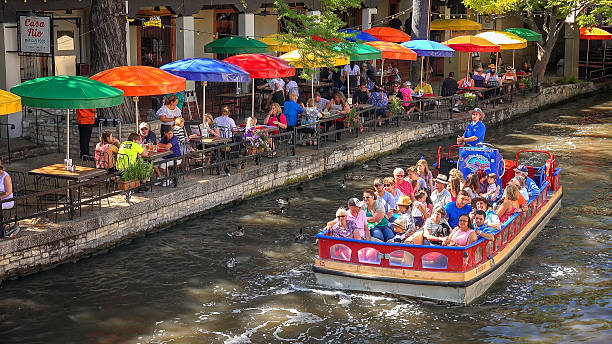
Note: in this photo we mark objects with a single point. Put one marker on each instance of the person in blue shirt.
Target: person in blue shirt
(292, 109)
(481, 227)
(457, 208)
(475, 131)
(532, 187)
(171, 143)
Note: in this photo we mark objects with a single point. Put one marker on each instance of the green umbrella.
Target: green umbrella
(67, 92)
(236, 45)
(530, 36)
(363, 52)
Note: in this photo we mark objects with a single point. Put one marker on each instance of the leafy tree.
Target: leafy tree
(547, 17)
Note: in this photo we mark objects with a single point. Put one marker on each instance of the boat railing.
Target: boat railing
(433, 257)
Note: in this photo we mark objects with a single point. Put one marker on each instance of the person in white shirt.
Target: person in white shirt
(440, 196)
(353, 72)
(291, 87)
(168, 113)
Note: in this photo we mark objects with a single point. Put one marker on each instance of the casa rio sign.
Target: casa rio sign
(35, 34)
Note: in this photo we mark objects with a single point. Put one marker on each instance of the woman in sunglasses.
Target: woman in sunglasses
(377, 221)
(344, 228)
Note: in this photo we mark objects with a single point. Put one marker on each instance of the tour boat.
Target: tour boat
(445, 273)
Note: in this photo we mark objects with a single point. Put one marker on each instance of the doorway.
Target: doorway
(67, 45)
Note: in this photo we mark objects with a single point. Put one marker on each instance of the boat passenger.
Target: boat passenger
(436, 228)
(454, 172)
(377, 221)
(482, 180)
(384, 196)
(481, 228)
(475, 131)
(359, 217)
(401, 230)
(532, 187)
(425, 173)
(460, 207)
(344, 228)
(519, 181)
(463, 234)
(402, 184)
(454, 186)
(510, 206)
(491, 218)
(492, 188)
(440, 196)
(419, 209)
(472, 185)
(404, 212)
(389, 184)
(413, 175)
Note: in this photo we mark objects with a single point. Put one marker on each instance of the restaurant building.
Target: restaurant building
(161, 31)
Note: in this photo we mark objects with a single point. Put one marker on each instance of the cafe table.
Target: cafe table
(237, 99)
(58, 171)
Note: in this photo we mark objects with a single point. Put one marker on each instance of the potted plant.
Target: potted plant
(128, 179)
(143, 170)
(352, 119)
(255, 142)
(395, 106)
(468, 98)
(525, 83)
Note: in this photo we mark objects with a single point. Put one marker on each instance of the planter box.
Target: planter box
(126, 185)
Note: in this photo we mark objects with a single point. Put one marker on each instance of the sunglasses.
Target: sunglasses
(399, 175)
(367, 197)
(378, 185)
(341, 216)
(388, 185)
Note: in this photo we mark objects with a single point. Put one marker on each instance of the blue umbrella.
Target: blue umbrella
(359, 35)
(202, 69)
(423, 47)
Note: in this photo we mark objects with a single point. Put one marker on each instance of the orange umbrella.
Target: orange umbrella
(392, 51)
(389, 34)
(141, 81)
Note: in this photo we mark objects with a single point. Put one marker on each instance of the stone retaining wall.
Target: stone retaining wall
(108, 227)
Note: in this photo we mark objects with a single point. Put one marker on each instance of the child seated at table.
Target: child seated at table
(311, 114)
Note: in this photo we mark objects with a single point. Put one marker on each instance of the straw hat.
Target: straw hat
(479, 111)
(404, 200)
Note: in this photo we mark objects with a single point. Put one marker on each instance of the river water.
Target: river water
(191, 283)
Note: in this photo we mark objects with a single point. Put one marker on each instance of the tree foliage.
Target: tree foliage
(301, 27)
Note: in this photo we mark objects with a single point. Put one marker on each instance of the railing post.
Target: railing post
(57, 130)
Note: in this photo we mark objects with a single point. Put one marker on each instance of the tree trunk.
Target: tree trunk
(108, 49)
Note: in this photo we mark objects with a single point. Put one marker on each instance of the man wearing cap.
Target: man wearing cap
(402, 184)
(440, 196)
(532, 187)
(491, 218)
(475, 131)
(461, 206)
(147, 136)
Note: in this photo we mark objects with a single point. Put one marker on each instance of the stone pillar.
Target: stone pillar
(420, 19)
(246, 24)
(10, 74)
(572, 47)
(127, 36)
(185, 41)
(366, 17)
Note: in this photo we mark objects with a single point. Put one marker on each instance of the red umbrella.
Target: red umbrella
(261, 66)
(389, 34)
(594, 33)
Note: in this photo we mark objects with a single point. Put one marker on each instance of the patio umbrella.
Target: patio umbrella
(424, 47)
(359, 36)
(236, 45)
(505, 40)
(594, 33)
(137, 81)
(454, 25)
(392, 51)
(204, 70)
(9, 102)
(294, 58)
(276, 44)
(388, 34)
(67, 92)
(261, 66)
(361, 52)
(528, 35)
(471, 44)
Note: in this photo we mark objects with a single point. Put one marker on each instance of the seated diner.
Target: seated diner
(105, 154)
(129, 151)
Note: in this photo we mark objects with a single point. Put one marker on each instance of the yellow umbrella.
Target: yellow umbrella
(275, 43)
(294, 58)
(454, 25)
(9, 102)
(505, 40)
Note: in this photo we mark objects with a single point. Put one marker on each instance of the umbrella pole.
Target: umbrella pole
(67, 134)
(512, 58)
(421, 77)
(312, 85)
(203, 102)
(253, 98)
(348, 84)
(586, 72)
(382, 71)
(135, 99)
(603, 63)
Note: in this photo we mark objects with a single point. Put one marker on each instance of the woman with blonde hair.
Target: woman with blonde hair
(454, 186)
(226, 123)
(510, 205)
(425, 173)
(211, 126)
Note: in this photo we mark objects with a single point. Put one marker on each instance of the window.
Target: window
(434, 260)
(478, 254)
(369, 255)
(401, 258)
(489, 248)
(340, 252)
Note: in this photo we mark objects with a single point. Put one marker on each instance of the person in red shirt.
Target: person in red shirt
(85, 119)
(403, 185)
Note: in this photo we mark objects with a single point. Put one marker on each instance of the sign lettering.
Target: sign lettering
(35, 35)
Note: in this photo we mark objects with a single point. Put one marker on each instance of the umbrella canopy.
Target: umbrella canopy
(275, 43)
(423, 47)
(471, 44)
(388, 34)
(530, 36)
(261, 66)
(294, 58)
(141, 80)
(67, 92)
(9, 102)
(202, 69)
(594, 33)
(505, 40)
(393, 50)
(363, 52)
(454, 25)
(359, 35)
(236, 45)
